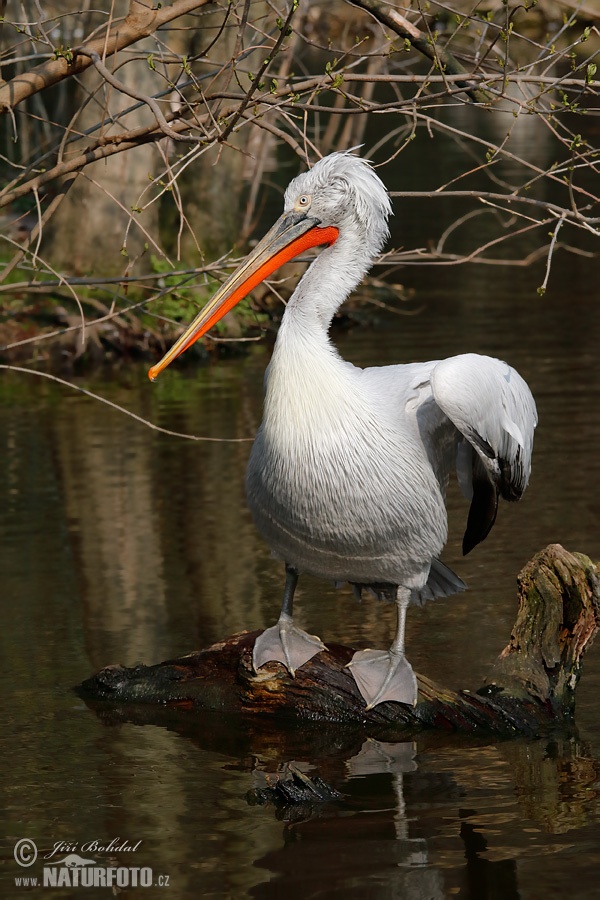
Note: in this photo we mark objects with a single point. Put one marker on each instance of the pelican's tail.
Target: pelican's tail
(442, 582)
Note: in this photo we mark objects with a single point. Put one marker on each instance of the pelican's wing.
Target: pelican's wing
(492, 407)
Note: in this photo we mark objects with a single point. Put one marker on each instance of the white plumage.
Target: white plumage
(348, 473)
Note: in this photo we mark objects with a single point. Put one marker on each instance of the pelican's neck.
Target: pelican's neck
(310, 387)
(324, 287)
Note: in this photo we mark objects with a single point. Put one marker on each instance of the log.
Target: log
(531, 686)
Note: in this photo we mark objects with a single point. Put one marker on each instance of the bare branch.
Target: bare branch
(136, 95)
(121, 409)
(440, 56)
(573, 215)
(420, 67)
(141, 21)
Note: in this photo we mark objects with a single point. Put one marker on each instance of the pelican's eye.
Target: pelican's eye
(303, 201)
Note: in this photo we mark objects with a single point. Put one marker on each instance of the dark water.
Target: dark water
(119, 544)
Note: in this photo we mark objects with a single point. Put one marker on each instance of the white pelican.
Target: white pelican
(348, 472)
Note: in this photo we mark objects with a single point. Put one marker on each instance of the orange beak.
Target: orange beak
(292, 234)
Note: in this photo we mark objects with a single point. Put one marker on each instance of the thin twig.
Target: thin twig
(544, 284)
(575, 216)
(121, 409)
(138, 95)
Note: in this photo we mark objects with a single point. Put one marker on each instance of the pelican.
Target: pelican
(348, 472)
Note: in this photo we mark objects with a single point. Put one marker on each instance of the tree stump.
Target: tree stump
(531, 686)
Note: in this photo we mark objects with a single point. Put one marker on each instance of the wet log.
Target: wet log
(531, 686)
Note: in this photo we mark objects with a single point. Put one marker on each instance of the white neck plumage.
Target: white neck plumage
(307, 382)
(325, 285)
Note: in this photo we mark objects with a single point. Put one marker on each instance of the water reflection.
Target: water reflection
(440, 817)
(475, 833)
(119, 545)
(105, 468)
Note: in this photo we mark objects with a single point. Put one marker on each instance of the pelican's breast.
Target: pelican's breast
(334, 478)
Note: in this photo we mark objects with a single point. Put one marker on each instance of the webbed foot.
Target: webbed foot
(287, 644)
(382, 675)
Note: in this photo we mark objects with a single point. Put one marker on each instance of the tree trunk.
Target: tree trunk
(99, 227)
(532, 684)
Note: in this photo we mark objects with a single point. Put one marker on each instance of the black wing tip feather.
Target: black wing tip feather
(513, 479)
(482, 513)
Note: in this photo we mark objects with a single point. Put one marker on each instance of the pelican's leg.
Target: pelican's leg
(387, 675)
(285, 642)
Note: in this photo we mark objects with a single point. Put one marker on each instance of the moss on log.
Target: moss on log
(532, 684)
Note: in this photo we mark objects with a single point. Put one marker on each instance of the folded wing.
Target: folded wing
(492, 407)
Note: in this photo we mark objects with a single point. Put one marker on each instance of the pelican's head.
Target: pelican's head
(340, 199)
(344, 192)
